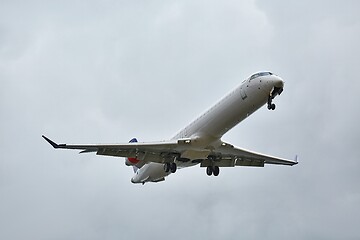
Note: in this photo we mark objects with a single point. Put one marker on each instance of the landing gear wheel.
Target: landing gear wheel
(167, 167)
(270, 105)
(173, 167)
(209, 170)
(216, 171)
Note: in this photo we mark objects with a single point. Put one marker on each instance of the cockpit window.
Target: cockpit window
(260, 74)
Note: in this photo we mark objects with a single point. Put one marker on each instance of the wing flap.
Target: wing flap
(233, 156)
(114, 152)
(249, 163)
(220, 163)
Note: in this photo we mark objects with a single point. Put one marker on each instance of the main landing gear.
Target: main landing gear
(170, 167)
(212, 170)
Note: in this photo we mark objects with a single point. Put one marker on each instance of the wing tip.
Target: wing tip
(296, 159)
(52, 143)
(295, 162)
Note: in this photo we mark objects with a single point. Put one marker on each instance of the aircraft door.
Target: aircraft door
(243, 93)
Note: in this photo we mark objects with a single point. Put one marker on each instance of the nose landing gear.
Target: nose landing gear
(274, 92)
(271, 106)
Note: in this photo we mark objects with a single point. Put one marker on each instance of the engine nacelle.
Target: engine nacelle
(131, 161)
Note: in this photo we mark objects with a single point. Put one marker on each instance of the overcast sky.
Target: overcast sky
(107, 71)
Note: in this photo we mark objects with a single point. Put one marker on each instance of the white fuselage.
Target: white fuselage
(208, 129)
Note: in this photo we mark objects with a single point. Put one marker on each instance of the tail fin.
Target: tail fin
(133, 140)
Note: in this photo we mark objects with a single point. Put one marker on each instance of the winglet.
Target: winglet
(296, 159)
(55, 145)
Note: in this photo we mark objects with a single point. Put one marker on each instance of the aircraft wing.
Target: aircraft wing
(153, 152)
(226, 155)
(229, 156)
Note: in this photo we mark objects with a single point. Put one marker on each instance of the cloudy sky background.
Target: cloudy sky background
(107, 71)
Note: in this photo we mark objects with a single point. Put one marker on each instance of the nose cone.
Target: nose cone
(278, 82)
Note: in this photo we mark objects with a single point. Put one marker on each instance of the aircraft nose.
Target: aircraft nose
(273, 82)
(278, 82)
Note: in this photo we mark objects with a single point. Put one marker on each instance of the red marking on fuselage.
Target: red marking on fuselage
(133, 160)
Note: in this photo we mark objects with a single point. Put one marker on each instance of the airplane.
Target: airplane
(200, 141)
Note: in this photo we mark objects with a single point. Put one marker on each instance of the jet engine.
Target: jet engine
(131, 161)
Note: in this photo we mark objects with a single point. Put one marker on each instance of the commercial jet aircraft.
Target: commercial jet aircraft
(200, 142)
